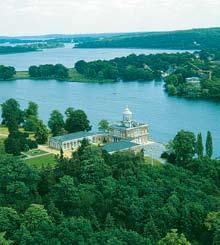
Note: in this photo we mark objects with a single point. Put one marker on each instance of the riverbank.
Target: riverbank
(74, 76)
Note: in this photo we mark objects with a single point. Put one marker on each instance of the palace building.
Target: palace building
(128, 129)
(127, 134)
(73, 141)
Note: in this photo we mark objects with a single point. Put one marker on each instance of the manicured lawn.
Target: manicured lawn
(41, 161)
(35, 153)
(21, 75)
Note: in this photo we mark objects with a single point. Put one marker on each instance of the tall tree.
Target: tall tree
(12, 115)
(103, 125)
(56, 123)
(199, 146)
(209, 145)
(42, 133)
(76, 121)
(184, 146)
(32, 109)
(31, 117)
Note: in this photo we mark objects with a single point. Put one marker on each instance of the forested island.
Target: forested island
(185, 39)
(97, 198)
(188, 75)
(29, 47)
(191, 75)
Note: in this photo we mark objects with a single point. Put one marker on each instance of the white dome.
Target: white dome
(127, 111)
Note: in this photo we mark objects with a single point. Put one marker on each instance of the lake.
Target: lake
(69, 56)
(165, 115)
(147, 100)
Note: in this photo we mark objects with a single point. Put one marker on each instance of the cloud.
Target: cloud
(80, 16)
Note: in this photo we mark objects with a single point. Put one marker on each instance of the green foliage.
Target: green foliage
(75, 231)
(56, 123)
(130, 68)
(97, 198)
(212, 222)
(18, 142)
(3, 241)
(18, 183)
(103, 125)
(6, 72)
(184, 147)
(42, 133)
(31, 117)
(199, 146)
(16, 49)
(12, 115)
(35, 216)
(173, 238)
(209, 145)
(10, 220)
(49, 71)
(76, 121)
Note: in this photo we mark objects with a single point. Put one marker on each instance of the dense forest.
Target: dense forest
(187, 39)
(97, 198)
(17, 49)
(29, 47)
(133, 67)
(174, 69)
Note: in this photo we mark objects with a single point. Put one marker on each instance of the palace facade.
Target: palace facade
(128, 129)
(124, 135)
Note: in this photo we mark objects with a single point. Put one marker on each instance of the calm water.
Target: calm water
(165, 115)
(69, 56)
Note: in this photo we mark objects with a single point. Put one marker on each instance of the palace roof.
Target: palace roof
(119, 146)
(74, 136)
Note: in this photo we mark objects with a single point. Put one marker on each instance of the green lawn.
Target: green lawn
(3, 131)
(42, 161)
(21, 75)
(33, 153)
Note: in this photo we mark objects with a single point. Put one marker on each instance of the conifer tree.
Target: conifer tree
(199, 146)
(209, 146)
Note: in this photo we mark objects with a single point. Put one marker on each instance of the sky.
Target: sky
(34, 17)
